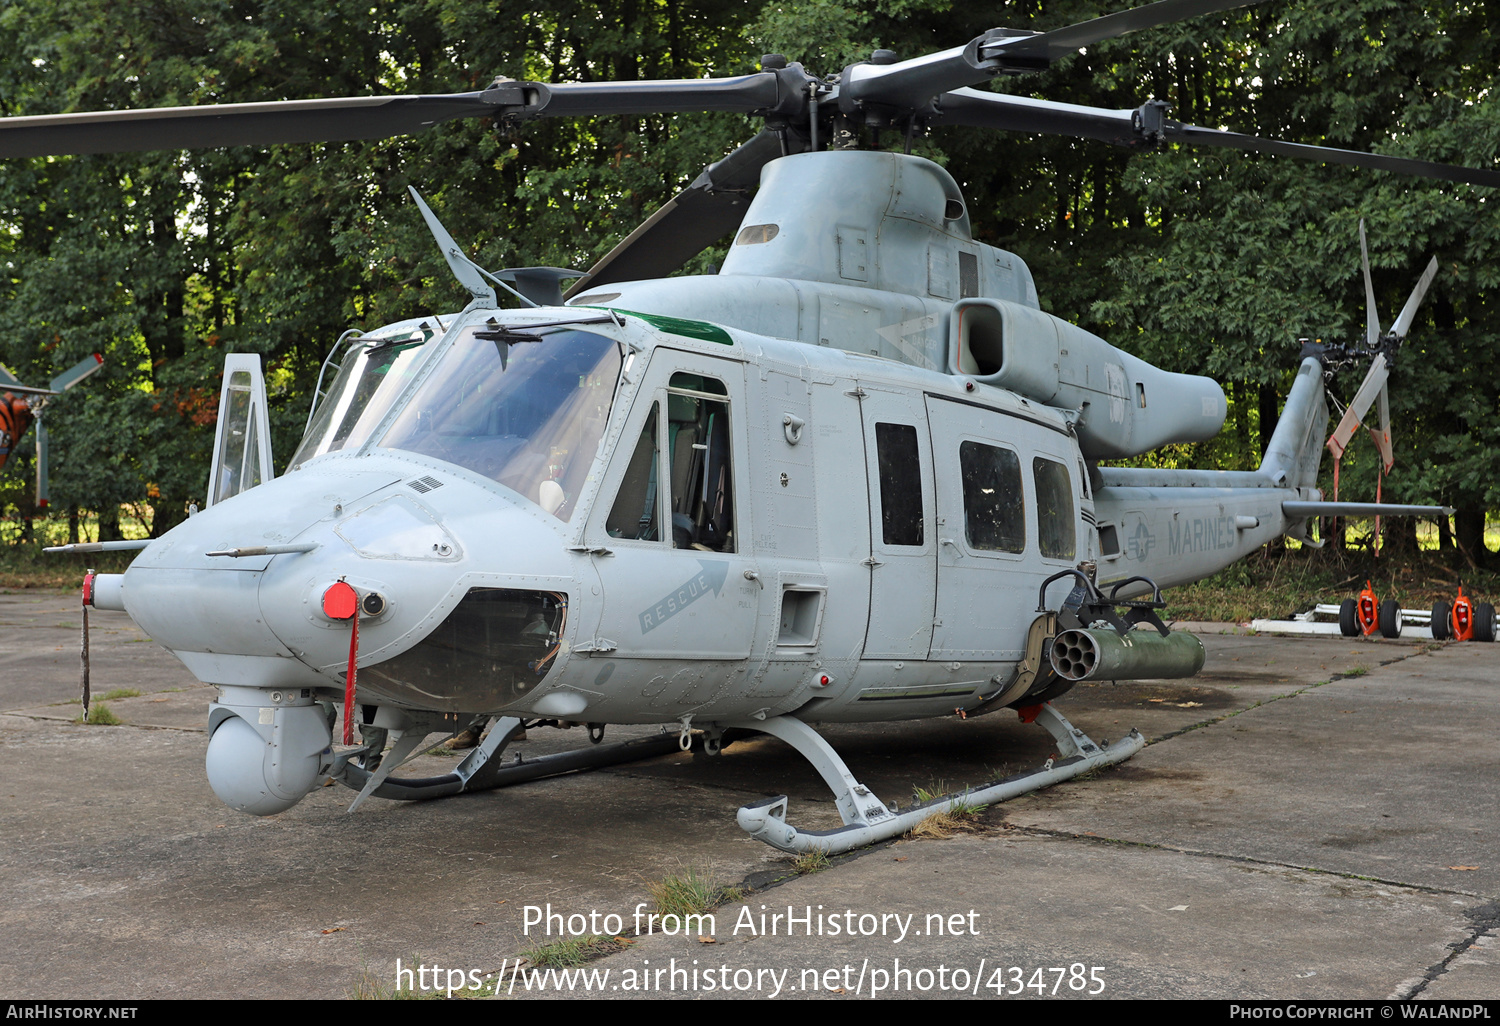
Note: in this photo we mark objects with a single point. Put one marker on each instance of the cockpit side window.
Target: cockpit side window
(699, 471)
(637, 506)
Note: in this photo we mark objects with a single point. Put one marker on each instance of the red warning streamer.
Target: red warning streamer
(341, 602)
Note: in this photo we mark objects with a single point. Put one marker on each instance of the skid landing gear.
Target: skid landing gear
(483, 769)
(866, 817)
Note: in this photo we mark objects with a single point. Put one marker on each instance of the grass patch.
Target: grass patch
(938, 826)
(100, 715)
(117, 693)
(571, 951)
(1357, 671)
(809, 862)
(370, 987)
(957, 819)
(1276, 582)
(684, 894)
(961, 809)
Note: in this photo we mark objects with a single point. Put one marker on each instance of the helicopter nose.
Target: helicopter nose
(237, 593)
(462, 604)
(206, 608)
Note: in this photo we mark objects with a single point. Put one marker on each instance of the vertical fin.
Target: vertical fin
(1296, 448)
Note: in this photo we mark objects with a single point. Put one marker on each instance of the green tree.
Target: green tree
(1213, 262)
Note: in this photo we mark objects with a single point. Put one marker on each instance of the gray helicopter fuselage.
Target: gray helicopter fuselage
(834, 481)
(881, 537)
(892, 270)
(779, 491)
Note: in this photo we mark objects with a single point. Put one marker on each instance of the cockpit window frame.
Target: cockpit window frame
(470, 411)
(449, 339)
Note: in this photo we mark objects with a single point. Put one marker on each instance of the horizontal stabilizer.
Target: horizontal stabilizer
(1295, 510)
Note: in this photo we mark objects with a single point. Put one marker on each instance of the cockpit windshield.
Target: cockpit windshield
(371, 378)
(522, 406)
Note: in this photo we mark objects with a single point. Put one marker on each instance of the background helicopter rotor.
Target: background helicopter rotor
(1383, 347)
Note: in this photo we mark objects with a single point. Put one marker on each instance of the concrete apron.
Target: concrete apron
(1281, 837)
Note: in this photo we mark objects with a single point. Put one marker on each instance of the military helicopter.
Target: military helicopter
(19, 412)
(853, 476)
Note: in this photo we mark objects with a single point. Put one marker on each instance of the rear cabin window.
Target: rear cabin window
(900, 484)
(1055, 531)
(994, 513)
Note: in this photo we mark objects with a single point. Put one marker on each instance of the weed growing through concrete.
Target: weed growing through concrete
(1358, 671)
(370, 987)
(99, 715)
(938, 826)
(684, 894)
(814, 861)
(961, 809)
(118, 693)
(570, 951)
(944, 823)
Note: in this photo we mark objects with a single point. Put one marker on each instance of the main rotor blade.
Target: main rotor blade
(762, 91)
(1194, 136)
(1409, 311)
(234, 124)
(1126, 128)
(341, 119)
(1049, 46)
(696, 218)
(908, 85)
(1049, 117)
(1372, 320)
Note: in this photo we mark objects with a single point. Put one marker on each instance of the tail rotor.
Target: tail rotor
(1382, 346)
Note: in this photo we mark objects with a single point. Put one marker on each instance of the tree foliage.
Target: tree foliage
(1213, 262)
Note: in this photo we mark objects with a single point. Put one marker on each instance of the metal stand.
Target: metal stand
(866, 817)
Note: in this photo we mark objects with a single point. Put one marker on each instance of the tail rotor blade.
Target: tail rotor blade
(1372, 387)
(1372, 321)
(1383, 432)
(1409, 311)
(73, 375)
